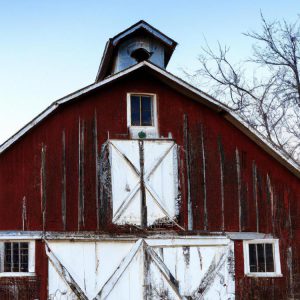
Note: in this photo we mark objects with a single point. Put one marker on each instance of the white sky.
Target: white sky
(49, 49)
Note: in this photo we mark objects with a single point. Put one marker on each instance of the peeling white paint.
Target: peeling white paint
(24, 213)
(202, 272)
(89, 263)
(146, 269)
(160, 160)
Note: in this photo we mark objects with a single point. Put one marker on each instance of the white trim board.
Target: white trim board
(248, 235)
(147, 27)
(196, 95)
(167, 235)
(85, 235)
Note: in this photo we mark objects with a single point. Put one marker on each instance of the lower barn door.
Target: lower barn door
(187, 268)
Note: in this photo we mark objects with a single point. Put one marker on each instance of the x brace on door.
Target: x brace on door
(64, 274)
(149, 257)
(141, 244)
(143, 185)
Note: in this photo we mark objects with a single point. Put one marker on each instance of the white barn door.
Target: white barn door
(174, 268)
(144, 172)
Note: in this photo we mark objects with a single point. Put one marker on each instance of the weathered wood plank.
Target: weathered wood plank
(254, 178)
(205, 215)
(222, 166)
(64, 183)
(43, 186)
(186, 135)
(81, 175)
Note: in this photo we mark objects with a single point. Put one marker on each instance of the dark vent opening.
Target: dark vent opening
(140, 54)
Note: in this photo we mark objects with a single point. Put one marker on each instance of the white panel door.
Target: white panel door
(87, 265)
(149, 165)
(173, 269)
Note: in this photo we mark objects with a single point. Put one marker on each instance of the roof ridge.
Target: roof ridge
(209, 101)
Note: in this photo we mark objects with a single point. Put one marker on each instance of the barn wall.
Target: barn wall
(48, 178)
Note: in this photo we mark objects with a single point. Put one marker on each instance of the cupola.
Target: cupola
(138, 43)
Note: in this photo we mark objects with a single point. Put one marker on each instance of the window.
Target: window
(142, 115)
(261, 258)
(141, 110)
(17, 258)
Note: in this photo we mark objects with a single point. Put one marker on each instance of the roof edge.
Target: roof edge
(146, 26)
(261, 141)
(51, 108)
(229, 115)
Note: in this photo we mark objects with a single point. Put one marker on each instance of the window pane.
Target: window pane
(252, 258)
(135, 110)
(16, 258)
(24, 257)
(7, 257)
(269, 258)
(261, 258)
(147, 111)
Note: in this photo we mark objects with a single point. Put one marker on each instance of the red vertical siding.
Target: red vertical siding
(20, 175)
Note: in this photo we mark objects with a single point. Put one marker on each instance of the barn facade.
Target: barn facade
(140, 186)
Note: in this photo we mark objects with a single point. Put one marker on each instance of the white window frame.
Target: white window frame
(31, 259)
(276, 258)
(151, 131)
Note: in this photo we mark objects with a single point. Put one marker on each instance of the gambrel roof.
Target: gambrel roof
(180, 86)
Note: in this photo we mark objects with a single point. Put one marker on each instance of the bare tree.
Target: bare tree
(269, 100)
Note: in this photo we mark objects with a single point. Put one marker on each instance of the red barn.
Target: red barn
(140, 186)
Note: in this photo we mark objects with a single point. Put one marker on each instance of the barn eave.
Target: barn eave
(182, 87)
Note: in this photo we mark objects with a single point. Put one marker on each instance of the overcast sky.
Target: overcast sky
(51, 48)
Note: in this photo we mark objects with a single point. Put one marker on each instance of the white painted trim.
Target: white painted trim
(1, 257)
(163, 236)
(186, 85)
(248, 235)
(157, 240)
(16, 274)
(31, 259)
(159, 237)
(276, 254)
(232, 117)
(26, 128)
(261, 141)
(191, 242)
(148, 28)
(154, 108)
(20, 235)
(108, 43)
(88, 236)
